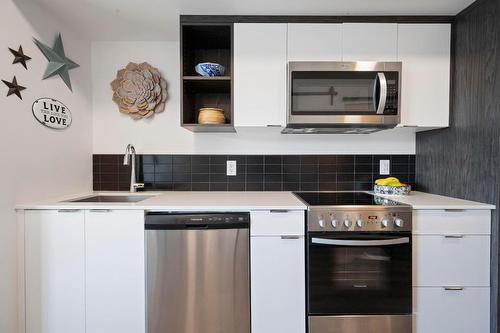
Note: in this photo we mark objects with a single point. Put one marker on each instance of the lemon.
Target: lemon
(389, 181)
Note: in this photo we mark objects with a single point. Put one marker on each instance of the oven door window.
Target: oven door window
(342, 93)
(362, 274)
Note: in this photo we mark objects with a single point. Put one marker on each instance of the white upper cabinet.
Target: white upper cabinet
(260, 58)
(314, 42)
(424, 50)
(370, 42)
(262, 51)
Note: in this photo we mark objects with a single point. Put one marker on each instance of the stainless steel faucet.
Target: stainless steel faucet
(129, 158)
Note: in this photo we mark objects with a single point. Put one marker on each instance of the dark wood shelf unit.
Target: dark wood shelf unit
(210, 128)
(206, 42)
(318, 18)
(206, 78)
(206, 94)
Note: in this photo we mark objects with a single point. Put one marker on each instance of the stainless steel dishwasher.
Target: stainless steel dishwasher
(197, 267)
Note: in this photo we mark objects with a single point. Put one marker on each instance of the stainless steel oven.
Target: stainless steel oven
(343, 97)
(359, 264)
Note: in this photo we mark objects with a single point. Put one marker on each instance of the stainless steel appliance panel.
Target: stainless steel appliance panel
(342, 97)
(361, 324)
(198, 281)
(359, 266)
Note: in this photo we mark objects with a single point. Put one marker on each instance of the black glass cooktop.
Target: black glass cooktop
(344, 199)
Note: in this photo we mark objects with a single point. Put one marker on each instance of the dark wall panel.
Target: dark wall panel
(464, 160)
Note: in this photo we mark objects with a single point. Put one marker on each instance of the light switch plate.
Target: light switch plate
(385, 167)
(230, 168)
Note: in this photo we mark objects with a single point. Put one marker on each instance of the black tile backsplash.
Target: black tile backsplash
(254, 172)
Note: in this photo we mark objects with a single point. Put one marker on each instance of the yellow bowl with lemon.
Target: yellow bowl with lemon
(391, 186)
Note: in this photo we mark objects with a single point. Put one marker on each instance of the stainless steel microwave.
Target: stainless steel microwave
(343, 97)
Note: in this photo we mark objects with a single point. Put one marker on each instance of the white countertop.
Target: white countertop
(421, 200)
(236, 201)
(178, 201)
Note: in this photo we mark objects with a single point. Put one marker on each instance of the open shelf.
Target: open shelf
(206, 78)
(206, 42)
(202, 94)
(207, 128)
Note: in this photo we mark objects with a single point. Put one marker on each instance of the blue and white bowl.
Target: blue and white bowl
(392, 190)
(209, 69)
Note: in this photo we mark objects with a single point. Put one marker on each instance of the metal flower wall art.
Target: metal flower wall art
(139, 90)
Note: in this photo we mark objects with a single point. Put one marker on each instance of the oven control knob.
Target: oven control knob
(398, 222)
(384, 223)
(347, 223)
(360, 223)
(321, 222)
(334, 223)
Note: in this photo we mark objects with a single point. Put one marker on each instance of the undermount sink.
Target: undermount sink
(113, 198)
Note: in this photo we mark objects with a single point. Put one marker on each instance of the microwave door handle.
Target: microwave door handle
(347, 242)
(382, 98)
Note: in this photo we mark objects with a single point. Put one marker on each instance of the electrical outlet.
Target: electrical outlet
(385, 167)
(230, 168)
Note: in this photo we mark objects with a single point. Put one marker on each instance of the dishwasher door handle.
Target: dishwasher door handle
(196, 226)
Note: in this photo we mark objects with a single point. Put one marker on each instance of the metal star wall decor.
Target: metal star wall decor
(19, 56)
(14, 88)
(59, 64)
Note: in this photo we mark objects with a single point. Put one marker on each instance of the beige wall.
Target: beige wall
(35, 161)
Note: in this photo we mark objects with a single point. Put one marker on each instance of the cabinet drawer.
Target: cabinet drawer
(276, 223)
(437, 310)
(452, 221)
(451, 260)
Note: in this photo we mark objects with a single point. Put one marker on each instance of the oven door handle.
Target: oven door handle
(345, 242)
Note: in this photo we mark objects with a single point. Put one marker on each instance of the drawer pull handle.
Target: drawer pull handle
(453, 288)
(290, 236)
(454, 210)
(68, 210)
(454, 236)
(100, 210)
(279, 211)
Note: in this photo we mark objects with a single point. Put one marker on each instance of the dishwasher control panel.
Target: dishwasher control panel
(195, 220)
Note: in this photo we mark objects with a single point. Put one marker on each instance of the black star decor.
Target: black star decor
(14, 88)
(19, 56)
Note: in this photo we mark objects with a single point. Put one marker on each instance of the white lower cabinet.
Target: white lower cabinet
(115, 284)
(84, 271)
(456, 260)
(278, 275)
(438, 310)
(451, 271)
(54, 271)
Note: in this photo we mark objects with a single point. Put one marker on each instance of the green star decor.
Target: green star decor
(58, 63)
